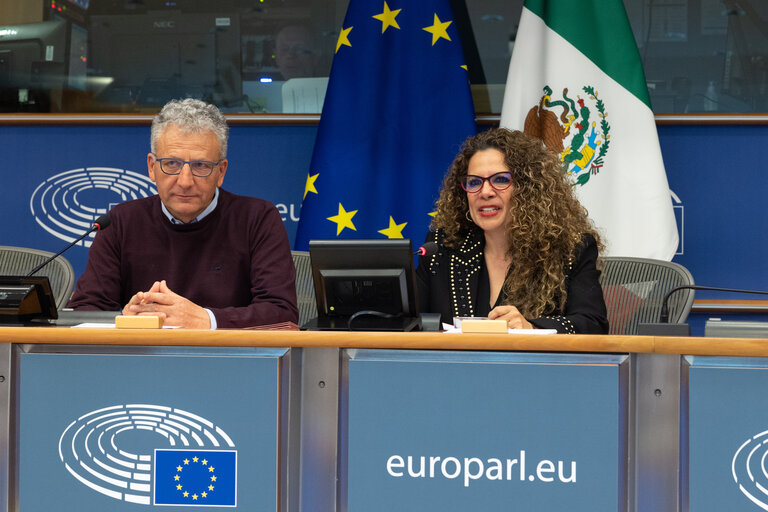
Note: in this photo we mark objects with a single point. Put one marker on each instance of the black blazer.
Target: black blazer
(449, 283)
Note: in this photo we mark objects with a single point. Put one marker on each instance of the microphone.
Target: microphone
(664, 328)
(665, 306)
(428, 249)
(99, 224)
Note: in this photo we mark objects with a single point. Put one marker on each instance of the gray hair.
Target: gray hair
(191, 116)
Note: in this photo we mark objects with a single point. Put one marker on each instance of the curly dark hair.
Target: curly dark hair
(546, 223)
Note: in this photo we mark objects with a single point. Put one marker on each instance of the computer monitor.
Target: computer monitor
(373, 278)
(26, 298)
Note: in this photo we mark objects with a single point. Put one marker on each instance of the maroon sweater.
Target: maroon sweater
(236, 261)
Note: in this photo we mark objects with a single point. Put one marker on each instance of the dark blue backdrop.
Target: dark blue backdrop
(714, 170)
(718, 174)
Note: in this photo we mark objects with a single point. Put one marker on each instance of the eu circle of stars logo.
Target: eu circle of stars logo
(180, 487)
(196, 477)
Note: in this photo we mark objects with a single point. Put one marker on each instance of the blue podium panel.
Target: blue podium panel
(134, 432)
(455, 431)
(728, 434)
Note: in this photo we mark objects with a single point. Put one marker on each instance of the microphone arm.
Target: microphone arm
(100, 223)
(665, 306)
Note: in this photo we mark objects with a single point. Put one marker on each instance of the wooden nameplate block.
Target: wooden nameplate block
(138, 322)
(484, 326)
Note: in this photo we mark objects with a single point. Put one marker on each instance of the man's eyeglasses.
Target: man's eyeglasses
(199, 168)
(295, 49)
(499, 181)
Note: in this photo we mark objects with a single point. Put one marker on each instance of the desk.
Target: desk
(355, 339)
(416, 340)
(92, 423)
(314, 371)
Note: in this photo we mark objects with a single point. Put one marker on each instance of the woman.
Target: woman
(515, 244)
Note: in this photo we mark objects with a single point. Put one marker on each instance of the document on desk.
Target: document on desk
(451, 329)
(96, 325)
(479, 325)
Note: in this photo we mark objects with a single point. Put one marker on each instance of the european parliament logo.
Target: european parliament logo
(67, 203)
(152, 455)
(748, 468)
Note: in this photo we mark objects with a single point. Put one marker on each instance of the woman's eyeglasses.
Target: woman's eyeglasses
(499, 181)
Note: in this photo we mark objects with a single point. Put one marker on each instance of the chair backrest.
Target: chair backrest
(18, 261)
(634, 289)
(305, 289)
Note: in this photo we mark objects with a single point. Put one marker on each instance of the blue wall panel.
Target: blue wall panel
(716, 172)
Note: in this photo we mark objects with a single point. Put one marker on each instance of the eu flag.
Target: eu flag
(397, 109)
(196, 477)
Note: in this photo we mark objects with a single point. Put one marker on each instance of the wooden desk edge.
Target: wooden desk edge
(730, 306)
(741, 347)
(388, 340)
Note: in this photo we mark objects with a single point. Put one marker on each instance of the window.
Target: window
(274, 56)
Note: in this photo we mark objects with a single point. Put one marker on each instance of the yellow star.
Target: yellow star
(178, 468)
(438, 30)
(213, 478)
(194, 496)
(211, 469)
(343, 220)
(186, 462)
(387, 18)
(394, 230)
(194, 459)
(186, 494)
(432, 214)
(464, 67)
(176, 478)
(178, 487)
(343, 39)
(204, 494)
(210, 487)
(205, 461)
(310, 185)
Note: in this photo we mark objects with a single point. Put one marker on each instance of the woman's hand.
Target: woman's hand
(514, 319)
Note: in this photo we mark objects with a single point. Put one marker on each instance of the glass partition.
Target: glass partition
(274, 56)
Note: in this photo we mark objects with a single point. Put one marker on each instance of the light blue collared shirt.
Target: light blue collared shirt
(203, 214)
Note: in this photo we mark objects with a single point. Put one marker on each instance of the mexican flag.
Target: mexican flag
(576, 81)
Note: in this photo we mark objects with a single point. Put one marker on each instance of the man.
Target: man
(294, 55)
(194, 254)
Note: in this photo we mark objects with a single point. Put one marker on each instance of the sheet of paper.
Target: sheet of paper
(451, 329)
(94, 325)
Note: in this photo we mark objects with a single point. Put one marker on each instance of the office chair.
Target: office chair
(634, 289)
(18, 261)
(305, 289)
